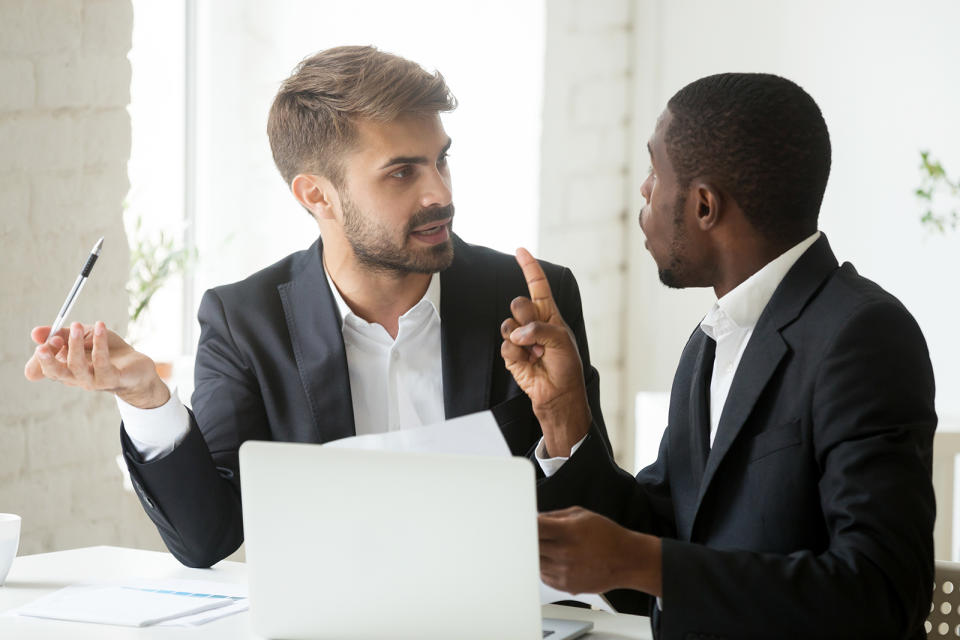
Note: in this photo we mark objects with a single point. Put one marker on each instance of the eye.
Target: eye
(401, 173)
(442, 160)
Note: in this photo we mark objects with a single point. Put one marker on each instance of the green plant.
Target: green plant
(939, 196)
(154, 259)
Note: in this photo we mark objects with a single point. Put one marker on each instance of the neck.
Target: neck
(741, 259)
(374, 295)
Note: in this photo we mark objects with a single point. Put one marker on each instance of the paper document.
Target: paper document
(549, 595)
(476, 434)
(140, 603)
(207, 616)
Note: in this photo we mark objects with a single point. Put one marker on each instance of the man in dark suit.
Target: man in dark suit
(388, 321)
(792, 495)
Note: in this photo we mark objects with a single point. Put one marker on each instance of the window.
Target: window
(491, 54)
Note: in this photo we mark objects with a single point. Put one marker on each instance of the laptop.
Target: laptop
(351, 544)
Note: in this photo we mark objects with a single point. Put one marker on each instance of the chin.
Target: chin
(670, 279)
(431, 259)
(441, 255)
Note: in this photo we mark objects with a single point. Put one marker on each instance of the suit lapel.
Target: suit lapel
(316, 335)
(760, 359)
(469, 332)
(766, 349)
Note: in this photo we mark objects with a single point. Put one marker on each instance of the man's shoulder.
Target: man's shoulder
(847, 293)
(849, 304)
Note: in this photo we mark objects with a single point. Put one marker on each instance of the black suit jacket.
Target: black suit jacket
(812, 514)
(271, 365)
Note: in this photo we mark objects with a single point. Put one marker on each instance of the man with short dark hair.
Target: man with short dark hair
(792, 494)
(386, 322)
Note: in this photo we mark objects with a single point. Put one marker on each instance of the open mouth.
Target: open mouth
(434, 232)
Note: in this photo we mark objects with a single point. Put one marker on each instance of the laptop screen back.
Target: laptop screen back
(347, 544)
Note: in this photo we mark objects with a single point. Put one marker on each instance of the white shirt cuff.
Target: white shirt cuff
(551, 465)
(155, 432)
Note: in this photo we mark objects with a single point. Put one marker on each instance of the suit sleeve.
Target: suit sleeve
(592, 479)
(193, 493)
(873, 421)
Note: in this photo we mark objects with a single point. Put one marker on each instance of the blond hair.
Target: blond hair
(312, 120)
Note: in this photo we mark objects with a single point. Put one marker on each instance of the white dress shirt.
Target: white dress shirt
(394, 384)
(730, 323)
(732, 319)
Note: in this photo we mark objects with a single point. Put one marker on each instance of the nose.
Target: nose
(438, 190)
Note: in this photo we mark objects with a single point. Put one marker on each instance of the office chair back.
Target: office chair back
(944, 618)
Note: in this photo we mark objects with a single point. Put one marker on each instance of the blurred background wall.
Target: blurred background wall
(64, 146)
(557, 100)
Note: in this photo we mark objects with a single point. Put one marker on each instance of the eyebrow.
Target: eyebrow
(414, 159)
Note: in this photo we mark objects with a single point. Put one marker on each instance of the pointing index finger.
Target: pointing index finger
(537, 284)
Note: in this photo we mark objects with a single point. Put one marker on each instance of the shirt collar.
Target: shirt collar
(429, 302)
(741, 307)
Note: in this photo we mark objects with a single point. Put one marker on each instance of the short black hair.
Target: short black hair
(762, 139)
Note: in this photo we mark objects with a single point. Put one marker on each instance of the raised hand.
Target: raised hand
(541, 353)
(96, 359)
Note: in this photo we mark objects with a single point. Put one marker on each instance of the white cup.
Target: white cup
(9, 542)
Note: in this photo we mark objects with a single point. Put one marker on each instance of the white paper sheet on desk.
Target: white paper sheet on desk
(549, 595)
(198, 619)
(236, 592)
(474, 434)
(140, 603)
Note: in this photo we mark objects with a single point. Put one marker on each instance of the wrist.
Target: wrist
(645, 571)
(151, 395)
(564, 424)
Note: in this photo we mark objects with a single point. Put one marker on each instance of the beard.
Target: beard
(675, 275)
(672, 275)
(377, 250)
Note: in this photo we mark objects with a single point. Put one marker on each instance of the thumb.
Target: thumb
(39, 334)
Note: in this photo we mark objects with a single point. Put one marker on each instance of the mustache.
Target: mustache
(426, 216)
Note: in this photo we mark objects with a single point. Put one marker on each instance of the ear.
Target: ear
(317, 195)
(709, 205)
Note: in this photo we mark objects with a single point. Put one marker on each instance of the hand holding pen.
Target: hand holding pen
(92, 357)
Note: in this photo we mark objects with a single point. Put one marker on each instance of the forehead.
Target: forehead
(408, 135)
(657, 143)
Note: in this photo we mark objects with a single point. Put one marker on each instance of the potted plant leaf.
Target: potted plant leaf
(155, 258)
(939, 196)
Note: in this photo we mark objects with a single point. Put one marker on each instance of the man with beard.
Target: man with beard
(387, 322)
(791, 497)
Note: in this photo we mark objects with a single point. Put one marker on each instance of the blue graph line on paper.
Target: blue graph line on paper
(185, 593)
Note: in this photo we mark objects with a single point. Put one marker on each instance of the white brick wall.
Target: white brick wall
(64, 144)
(585, 185)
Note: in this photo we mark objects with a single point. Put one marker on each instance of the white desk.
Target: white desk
(36, 575)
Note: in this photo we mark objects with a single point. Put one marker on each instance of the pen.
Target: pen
(77, 286)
